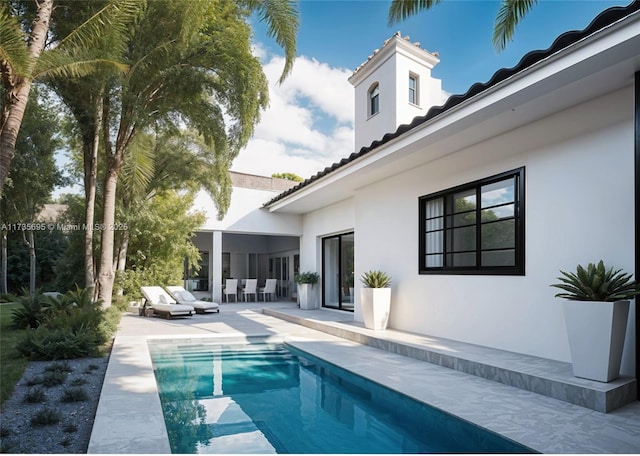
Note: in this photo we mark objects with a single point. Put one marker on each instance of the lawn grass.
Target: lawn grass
(12, 364)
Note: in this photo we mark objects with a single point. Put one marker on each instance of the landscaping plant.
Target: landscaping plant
(597, 283)
(375, 279)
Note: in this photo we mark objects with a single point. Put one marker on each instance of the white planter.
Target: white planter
(307, 296)
(596, 331)
(376, 305)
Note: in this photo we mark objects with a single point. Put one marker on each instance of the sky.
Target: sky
(309, 123)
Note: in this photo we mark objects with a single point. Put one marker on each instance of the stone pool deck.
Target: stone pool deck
(129, 417)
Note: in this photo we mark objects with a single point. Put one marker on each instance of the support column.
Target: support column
(636, 215)
(216, 269)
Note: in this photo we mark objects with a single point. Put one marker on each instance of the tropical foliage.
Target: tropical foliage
(596, 283)
(307, 277)
(375, 279)
(509, 15)
(68, 326)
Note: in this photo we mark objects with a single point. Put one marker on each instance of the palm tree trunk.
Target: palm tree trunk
(90, 179)
(3, 280)
(106, 274)
(31, 244)
(17, 90)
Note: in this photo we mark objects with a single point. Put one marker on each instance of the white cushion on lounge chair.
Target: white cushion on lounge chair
(182, 296)
(162, 303)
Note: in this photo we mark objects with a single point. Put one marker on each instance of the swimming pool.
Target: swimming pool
(272, 398)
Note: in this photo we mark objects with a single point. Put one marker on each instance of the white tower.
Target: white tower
(393, 87)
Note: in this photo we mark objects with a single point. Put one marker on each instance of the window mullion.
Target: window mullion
(478, 226)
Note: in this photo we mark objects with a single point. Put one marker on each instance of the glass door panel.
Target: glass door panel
(331, 272)
(346, 271)
(337, 274)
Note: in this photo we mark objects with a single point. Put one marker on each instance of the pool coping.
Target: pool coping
(129, 418)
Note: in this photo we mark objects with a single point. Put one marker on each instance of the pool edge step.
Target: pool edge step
(556, 383)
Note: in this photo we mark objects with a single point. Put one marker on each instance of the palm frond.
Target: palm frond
(13, 46)
(509, 15)
(281, 17)
(58, 64)
(402, 9)
(138, 168)
(114, 19)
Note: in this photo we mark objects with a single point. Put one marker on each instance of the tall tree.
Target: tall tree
(33, 177)
(509, 15)
(23, 57)
(191, 64)
(17, 62)
(84, 97)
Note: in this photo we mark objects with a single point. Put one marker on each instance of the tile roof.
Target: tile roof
(603, 20)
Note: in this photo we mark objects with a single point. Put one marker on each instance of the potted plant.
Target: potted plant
(306, 297)
(375, 299)
(596, 311)
(348, 281)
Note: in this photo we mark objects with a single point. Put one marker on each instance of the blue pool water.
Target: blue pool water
(272, 398)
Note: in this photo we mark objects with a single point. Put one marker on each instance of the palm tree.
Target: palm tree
(23, 58)
(190, 65)
(509, 15)
(84, 95)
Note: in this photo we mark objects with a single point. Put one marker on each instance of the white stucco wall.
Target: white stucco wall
(330, 220)
(579, 208)
(245, 214)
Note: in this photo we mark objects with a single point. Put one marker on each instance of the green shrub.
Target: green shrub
(54, 378)
(59, 366)
(37, 380)
(78, 382)
(35, 396)
(66, 442)
(90, 368)
(45, 417)
(69, 428)
(75, 395)
(44, 343)
(73, 326)
(30, 314)
(307, 277)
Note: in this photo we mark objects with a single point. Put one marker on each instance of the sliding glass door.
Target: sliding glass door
(337, 268)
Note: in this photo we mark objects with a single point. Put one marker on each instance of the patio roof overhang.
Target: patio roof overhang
(592, 65)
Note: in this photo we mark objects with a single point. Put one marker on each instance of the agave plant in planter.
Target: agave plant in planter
(596, 311)
(375, 299)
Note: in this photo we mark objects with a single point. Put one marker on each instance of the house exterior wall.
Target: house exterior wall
(245, 214)
(579, 200)
(367, 128)
(390, 68)
(334, 219)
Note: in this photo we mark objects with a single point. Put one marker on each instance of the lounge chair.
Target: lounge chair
(163, 304)
(182, 296)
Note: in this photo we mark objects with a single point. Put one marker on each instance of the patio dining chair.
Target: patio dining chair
(231, 288)
(250, 288)
(269, 289)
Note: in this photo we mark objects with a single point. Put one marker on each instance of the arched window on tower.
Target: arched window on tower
(374, 99)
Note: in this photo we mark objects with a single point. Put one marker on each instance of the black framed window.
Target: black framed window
(476, 228)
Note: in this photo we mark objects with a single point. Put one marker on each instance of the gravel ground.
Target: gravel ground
(73, 403)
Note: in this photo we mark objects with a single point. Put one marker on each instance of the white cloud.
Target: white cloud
(309, 123)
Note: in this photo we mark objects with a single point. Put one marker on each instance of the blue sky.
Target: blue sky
(309, 124)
